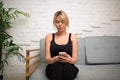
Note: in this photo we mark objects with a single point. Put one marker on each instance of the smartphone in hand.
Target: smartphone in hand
(62, 53)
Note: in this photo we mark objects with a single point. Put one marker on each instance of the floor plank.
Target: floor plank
(13, 78)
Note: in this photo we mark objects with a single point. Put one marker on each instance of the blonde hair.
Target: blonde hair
(61, 13)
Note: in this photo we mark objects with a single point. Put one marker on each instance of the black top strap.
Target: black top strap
(53, 36)
(70, 37)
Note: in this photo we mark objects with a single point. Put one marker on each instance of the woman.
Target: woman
(61, 50)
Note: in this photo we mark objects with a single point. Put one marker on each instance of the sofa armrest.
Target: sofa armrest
(31, 66)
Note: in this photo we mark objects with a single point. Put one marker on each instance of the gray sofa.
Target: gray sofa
(98, 59)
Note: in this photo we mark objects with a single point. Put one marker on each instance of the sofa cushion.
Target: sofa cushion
(81, 51)
(102, 49)
(42, 50)
(39, 73)
(98, 72)
(86, 72)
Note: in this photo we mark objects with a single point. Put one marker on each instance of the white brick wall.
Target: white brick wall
(87, 18)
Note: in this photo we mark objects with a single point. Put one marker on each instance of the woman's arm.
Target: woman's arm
(48, 58)
(74, 49)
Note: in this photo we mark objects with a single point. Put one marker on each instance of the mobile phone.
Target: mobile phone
(62, 53)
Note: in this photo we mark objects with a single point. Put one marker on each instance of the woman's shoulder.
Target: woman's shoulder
(49, 36)
(73, 36)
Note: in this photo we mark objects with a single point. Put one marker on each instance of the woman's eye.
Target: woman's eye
(60, 21)
(56, 21)
(63, 21)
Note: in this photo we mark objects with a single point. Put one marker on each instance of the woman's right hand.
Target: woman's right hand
(55, 59)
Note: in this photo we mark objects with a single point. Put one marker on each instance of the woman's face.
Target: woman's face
(60, 23)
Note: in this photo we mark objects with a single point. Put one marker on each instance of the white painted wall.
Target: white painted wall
(87, 18)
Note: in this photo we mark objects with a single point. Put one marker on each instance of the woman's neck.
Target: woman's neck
(61, 33)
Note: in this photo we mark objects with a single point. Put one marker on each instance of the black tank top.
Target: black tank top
(56, 48)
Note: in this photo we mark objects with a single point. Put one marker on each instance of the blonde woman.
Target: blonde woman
(61, 50)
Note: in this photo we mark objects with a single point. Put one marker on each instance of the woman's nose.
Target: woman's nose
(60, 23)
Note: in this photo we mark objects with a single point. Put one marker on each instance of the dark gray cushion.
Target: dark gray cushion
(104, 49)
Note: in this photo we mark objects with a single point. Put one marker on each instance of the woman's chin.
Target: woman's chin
(61, 30)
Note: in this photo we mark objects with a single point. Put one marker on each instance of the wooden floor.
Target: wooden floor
(13, 78)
